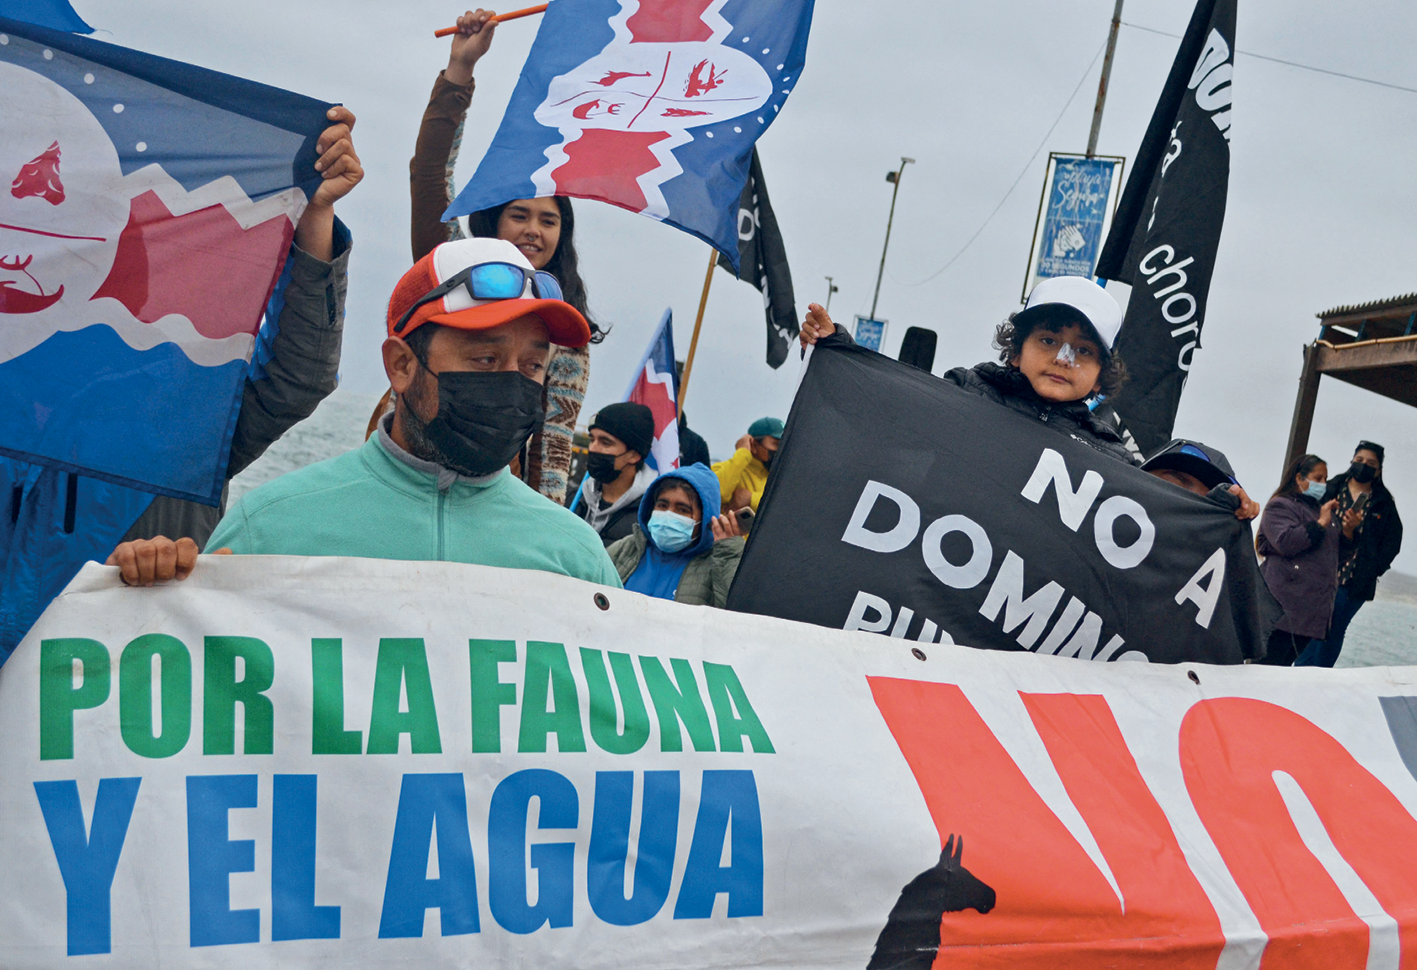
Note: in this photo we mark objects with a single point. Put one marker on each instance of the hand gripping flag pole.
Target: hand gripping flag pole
(512, 15)
(650, 105)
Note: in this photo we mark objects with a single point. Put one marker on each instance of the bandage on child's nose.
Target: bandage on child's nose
(1067, 356)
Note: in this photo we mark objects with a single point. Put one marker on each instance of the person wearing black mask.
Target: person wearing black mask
(1372, 537)
(743, 477)
(470, 329)
(621, 435)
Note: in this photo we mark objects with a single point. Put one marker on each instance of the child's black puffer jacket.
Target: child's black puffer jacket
(1008, 386)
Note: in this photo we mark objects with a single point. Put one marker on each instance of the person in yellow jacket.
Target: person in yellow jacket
(742, 478)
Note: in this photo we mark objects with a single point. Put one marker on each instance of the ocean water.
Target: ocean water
(336, 426)
(1384, 633)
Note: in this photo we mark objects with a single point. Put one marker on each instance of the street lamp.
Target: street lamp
(894, 179)
(831, 288)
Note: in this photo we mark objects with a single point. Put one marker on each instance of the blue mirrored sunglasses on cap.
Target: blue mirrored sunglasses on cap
(490, 281)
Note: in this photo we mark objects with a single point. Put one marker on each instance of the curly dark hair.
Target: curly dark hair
(1009, 340)
(564, 262)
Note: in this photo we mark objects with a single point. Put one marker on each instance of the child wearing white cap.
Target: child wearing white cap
(1054, 355)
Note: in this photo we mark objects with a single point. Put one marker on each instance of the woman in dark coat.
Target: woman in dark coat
(1299, 539)
(1372, 536)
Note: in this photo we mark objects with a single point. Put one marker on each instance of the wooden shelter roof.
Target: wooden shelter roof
(1373, 346)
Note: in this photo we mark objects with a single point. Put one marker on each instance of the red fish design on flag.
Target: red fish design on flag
(670, 69)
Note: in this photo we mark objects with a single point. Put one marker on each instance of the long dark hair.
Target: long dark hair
(1299, 466)
(564, 262)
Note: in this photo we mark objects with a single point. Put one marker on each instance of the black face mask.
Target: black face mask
(1361, 473)
(602, 468)
(483, 419)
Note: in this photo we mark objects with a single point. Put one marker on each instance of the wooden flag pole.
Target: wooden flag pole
(1106, 77)
(513, 15)
(698, 322)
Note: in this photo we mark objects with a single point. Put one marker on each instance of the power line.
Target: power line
(1280, 60)
(1163, 33)
(1026, 167)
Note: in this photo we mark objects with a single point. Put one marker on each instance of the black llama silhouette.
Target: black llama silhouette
(911, 937)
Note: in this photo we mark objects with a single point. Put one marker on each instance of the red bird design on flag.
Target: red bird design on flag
(40, 177)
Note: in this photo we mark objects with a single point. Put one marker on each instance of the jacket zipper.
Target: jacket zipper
(1045, 414)
(440, 525)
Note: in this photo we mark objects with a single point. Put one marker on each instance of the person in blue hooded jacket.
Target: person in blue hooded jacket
(682, 549)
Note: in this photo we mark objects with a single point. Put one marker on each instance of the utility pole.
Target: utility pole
(1106, 76)
(831, 288)
(894, 178)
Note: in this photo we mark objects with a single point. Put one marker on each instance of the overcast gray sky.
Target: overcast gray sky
(1320, 212)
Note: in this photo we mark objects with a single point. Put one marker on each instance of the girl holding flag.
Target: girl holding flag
(543, 229)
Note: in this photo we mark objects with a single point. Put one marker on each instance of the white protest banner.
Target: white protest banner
(357, 763)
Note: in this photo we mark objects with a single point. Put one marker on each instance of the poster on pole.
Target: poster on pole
(356, 763)
(869, 333)
(1074, 215)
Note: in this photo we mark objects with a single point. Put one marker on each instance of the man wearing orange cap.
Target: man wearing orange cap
(470, 329)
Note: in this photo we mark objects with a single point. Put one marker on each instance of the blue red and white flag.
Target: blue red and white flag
(651, 105)
(656, 386)
(147, 208)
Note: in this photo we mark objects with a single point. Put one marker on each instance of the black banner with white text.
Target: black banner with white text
(904, 505)
(1167, 226)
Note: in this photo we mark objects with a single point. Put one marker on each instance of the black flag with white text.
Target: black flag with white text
(763, 262)
(904, 505)
(1167, 226)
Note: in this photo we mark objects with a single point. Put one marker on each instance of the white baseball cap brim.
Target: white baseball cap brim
(1083, 297)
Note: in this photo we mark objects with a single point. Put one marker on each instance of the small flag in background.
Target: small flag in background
(762, 261)
(655, 387)
(651, 105)
(1166, 229)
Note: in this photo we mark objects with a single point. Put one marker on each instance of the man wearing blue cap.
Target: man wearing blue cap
(743, 477)
(1203, 470)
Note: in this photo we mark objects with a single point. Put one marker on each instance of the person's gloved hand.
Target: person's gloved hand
(144, 562)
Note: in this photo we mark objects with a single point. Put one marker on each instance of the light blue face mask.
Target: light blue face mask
(1316, 490)
(670, 530)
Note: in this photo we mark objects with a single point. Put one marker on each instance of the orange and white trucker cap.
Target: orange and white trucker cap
(461, 310)
(1083, 298)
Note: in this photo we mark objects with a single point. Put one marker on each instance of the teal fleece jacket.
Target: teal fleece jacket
(379, 502)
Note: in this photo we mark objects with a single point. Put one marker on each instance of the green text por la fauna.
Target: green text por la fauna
(76, 675)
